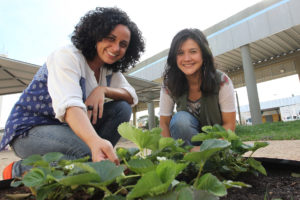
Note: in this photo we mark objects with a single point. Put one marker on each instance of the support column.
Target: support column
(151, 120)
(134, 114)
(250, 80)
(297, 66)
(238, 107)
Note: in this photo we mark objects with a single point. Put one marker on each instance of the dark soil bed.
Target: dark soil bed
(279, 184)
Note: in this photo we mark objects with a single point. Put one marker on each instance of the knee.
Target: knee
(181, 120)
(124, 110)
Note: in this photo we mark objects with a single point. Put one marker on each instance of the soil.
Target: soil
(278, 184)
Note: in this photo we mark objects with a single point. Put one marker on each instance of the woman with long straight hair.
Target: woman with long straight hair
(202, 94)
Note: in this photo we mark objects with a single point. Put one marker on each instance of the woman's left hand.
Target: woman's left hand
(96, 101)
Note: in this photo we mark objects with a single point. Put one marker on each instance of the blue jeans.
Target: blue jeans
(184, 125)
(60, 138)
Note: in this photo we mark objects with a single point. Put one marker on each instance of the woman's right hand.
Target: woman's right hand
(102, 149)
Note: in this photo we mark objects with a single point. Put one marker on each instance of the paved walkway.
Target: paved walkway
(281, 149)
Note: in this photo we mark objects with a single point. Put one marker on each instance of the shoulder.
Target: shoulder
(66, 52)
(223, 78)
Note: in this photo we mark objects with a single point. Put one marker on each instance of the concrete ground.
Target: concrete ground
(281, 149)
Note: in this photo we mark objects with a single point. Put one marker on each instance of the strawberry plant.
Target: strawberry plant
(160, 168)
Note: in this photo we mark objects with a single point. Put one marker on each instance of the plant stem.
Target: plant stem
(198, 175)
(125, 187)
(131, 176)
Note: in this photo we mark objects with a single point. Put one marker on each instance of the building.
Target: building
(258, 44)
(286, 109)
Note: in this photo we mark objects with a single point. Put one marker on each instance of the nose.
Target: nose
(115, 47)
(186, 57)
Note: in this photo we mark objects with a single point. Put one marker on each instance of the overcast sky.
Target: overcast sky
(31, 29)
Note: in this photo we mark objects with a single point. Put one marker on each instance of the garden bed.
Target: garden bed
(279, 184)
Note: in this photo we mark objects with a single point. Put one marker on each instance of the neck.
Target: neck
(95, 64)
(194, 81)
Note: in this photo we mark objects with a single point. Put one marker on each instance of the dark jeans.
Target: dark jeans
(60, 138)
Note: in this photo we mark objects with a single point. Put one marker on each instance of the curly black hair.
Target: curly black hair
(174, 79)
(96, 25)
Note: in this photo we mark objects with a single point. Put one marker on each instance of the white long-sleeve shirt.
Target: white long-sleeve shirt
(66, 68)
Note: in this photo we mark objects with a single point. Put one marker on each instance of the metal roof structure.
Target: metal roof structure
(281, 44)
(16, 75)
(271, 29)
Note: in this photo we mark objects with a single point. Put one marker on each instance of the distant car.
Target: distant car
(249, 121)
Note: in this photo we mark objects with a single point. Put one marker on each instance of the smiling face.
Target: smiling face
(113, 47)
(189, 58)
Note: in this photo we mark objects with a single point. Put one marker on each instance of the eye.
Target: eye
(179, 53)
(193, 51)
(124, 44)
(110, 38)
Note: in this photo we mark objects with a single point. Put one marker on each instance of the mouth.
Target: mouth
(111, 54)
(188, 65)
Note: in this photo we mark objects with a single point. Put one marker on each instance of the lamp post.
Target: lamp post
(238, 106)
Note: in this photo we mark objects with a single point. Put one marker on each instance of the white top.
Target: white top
(226, 99)
(66, 67)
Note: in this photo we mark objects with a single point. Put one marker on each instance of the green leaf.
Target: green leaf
(232, 136)
(46, 190)
(31, 160)
(15, 183)
(115, 197)
(85, 166)
(207, 149)
(201, 137)
(157, 181)
(165, 142)
(144, 185)
(141, 166)
(107, 171)
(211, 184)
(207, 129)
(258, 145)
(143, 139)
(185, 193)
(34, 177)
(204, 195)
(80, 179)
(126, 154)
(52, 157)
(257, 165)
(235, 184)
(214, 144)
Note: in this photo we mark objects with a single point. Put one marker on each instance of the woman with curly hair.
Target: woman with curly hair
(202, 94)
(64, 108)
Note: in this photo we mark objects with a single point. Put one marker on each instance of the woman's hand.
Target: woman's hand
(102, 150)
(96, 100)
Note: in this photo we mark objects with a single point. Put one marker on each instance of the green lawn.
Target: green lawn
(270, 131)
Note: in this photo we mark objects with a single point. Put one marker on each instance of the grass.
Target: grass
(270, 131)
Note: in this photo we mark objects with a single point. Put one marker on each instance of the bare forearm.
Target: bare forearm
(80, 124)
(229, 120)
(229, 126)
(165, 125)
(118, 94)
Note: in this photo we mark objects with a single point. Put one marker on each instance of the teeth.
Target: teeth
(111, 53)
